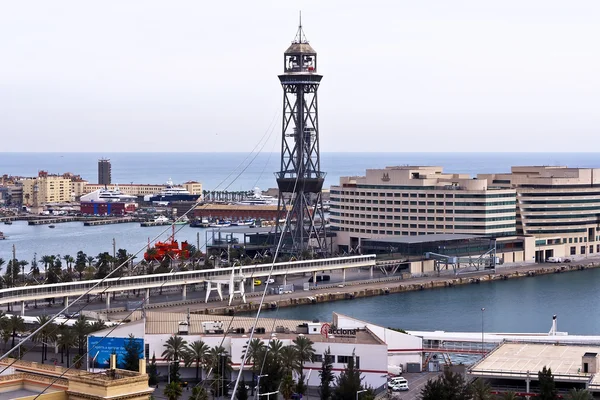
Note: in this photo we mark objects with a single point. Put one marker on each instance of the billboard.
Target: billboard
(100, 349)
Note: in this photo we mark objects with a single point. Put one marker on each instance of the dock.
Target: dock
(112, 221)
(48, 221)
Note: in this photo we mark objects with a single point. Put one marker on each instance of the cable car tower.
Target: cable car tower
(300, 178)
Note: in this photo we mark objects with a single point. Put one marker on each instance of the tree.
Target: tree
(326, 375)
(348, 382)
(242, 392)
(152, 372)
(131, 360)
(45, 335)
(197, 352)
(547, 385)
(174, 352)
(80, 263)
(306, 353)
(81, 328)
(481, 390)
(199, 393)
(288, 386)
(579, 394)
(219, 361)
(255, 349)
(66, 340)
(16, 324)
(509, 396)
(289, 360)
(173, 391)
(449, 386)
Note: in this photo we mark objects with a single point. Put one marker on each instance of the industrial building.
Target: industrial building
(373, 346)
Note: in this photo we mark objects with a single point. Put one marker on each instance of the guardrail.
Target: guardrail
(27, 293)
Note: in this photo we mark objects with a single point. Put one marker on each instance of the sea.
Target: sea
(523, 305)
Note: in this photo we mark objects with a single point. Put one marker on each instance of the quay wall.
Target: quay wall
(360, 289)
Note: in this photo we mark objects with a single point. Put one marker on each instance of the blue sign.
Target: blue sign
(100, 349)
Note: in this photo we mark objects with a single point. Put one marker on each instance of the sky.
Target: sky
(442, 76)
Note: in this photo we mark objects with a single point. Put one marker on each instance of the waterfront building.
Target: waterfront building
(141, 190)
(104, 171)
(413, 201)
(517, 365)
(559, 206)
(46, 188)
(368, 343)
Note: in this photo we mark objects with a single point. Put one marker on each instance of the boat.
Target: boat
(258, 199)
(8, 222)
(51, 226)
(2, 237)
(106, 195)
(182, 221)
(220, 224)
(168, 248)
(247, 222)
(199, 223)
(161, 219)
(172, 193)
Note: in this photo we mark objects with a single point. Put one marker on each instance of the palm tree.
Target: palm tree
(481, 390)
(306, 352)
(198, 393)
(90, 260)
(2, 262)
(197, 352)
(5, 332)
(46, 335)
(579, 394)
(219, 360)
(16, 324)
(173, 391)
(255, 348)
(289, 360)
(81, 328)
(288, 386)
(510, 396)
(66, 340)
(97, 326)
(47, 261)
(175, 351)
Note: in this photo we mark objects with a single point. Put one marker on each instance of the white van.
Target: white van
(553, 260)
(395, 369)
(398, 380)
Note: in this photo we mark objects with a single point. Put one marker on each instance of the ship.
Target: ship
(258, 199)
(172, 193)
(108, 196)
(169, 248)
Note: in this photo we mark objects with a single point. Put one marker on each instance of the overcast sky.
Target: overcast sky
(510, 75)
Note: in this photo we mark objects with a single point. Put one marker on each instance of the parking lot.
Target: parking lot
(416, 381)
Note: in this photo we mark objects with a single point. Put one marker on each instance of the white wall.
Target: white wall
(401, 348)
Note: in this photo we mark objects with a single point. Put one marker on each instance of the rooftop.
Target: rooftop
(518, 359)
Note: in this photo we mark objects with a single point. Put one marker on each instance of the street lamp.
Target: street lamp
(482, 310)
(258, 385)
(359, 392)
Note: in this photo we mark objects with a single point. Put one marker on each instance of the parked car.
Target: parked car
(269, 281)
(401, 387)
(553, 260)
(257, 282)
(567, 260)
(397, 381)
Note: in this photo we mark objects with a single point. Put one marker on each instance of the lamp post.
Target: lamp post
(482, 310)
(258, 385)
(359, 392)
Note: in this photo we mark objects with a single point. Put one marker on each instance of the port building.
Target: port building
(559, 206)
(104, 171)
(344, 337)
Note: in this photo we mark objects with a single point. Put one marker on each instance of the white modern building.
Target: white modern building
(374, 347)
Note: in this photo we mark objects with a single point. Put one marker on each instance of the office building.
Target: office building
(104, 171)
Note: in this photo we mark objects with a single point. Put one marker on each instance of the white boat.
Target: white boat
(172, 192)
(2, 237)
(161, 219)
(108, 196)
(248, 222)
(258, 199)
(220, 224)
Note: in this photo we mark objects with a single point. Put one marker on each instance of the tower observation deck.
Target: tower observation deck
(300, 179)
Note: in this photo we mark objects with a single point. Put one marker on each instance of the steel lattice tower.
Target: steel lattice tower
(300, 178)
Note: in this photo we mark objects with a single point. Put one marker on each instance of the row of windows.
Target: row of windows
(572, 201)
(563, 216)
(549, 209)
(426, 226)
(486, 204)
(318, 358)
(420, 218)
(427, 195)
(560, 194)
(407, 233)
(423, 210)
(555, 223)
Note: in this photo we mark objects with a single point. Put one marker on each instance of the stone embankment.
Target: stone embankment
(369, 288)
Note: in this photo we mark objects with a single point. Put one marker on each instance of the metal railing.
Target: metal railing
(26, 293)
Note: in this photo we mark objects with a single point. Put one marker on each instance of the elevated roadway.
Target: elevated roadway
(218, 277)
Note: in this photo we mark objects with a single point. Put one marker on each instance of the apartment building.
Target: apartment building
(46, 188)
(560, 206)
(418, 200)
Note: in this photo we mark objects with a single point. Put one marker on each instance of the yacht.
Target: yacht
(220, 224)
(106, 195)
(258, 199)
(161, 219)
(172, 192)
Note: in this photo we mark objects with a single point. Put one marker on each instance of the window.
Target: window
(318, 358)
(582, 249)
(573, 250)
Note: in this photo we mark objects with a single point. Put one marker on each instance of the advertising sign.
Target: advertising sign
(105, 346)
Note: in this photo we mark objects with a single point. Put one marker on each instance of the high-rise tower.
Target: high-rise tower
(300, 178)
(104, 176)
